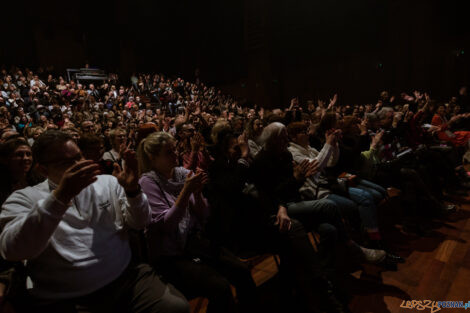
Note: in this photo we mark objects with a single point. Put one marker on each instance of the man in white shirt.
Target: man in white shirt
(72, 231)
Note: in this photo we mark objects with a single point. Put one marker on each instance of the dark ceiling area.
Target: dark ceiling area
(267, 51)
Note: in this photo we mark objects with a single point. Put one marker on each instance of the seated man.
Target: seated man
(71, 230)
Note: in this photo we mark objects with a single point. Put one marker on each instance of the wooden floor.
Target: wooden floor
(437, 268)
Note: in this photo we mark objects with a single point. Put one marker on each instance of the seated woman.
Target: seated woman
(179, 211)
(118, 139)
(191, 148)
(457, 138)
(16, 162)
(253, 130)
(355, 200)
(278, 182)
(16, 165)
(238, 220)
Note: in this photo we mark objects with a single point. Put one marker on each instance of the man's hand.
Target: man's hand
(283, 220)
(128, 177)
(75, 179)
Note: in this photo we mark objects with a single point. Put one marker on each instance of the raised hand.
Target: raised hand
(363, 126)
(330, 137)
(128, 177)
(75, 179)
(195, 182)
(204, 180)
(377, 139)
(333, 101)
(243, 145)
(195, 142)
(293, 102)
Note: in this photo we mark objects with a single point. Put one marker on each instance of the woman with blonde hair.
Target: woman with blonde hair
(178, 214)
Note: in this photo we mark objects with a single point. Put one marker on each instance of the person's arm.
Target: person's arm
(200, 207)
(28, 225)
(134, 207)
(334, 156)
(162, 214)
(370, 154)
(190, 160)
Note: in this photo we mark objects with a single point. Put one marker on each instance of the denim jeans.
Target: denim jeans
(360, 200)
(378, 192)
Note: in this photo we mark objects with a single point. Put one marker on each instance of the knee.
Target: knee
(365, 198)
(172, 304)
(328, 205)
(179, 306)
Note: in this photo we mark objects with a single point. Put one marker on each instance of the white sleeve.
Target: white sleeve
(28, 225)
(136, 210)
(333, 160)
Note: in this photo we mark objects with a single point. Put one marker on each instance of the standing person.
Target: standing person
(71, 230)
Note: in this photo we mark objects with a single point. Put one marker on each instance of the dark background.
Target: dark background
(265, 51)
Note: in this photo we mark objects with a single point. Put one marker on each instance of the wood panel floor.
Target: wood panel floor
(437, 268)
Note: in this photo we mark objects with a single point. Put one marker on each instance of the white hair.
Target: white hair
(270, 132)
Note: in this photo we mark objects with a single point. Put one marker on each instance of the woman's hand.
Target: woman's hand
(376, 140)
(299, 170)
(243, 145)
(195, 182)
(195, 142)
(283, 220)
(305, 169)
(363, 126)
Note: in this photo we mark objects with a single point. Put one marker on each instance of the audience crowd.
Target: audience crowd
(139, 196)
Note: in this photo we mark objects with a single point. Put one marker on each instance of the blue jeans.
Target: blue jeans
(360, 200)
(378, 192)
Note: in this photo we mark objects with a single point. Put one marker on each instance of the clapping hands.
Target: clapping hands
(305, 169)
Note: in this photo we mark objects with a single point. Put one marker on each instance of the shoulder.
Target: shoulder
(106, 179)
(145, 179)
(25, 198)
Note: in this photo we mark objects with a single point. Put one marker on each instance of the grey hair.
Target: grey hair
(383, 112)
(270, 132)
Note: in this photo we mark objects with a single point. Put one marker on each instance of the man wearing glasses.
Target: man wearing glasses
(71, 230)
